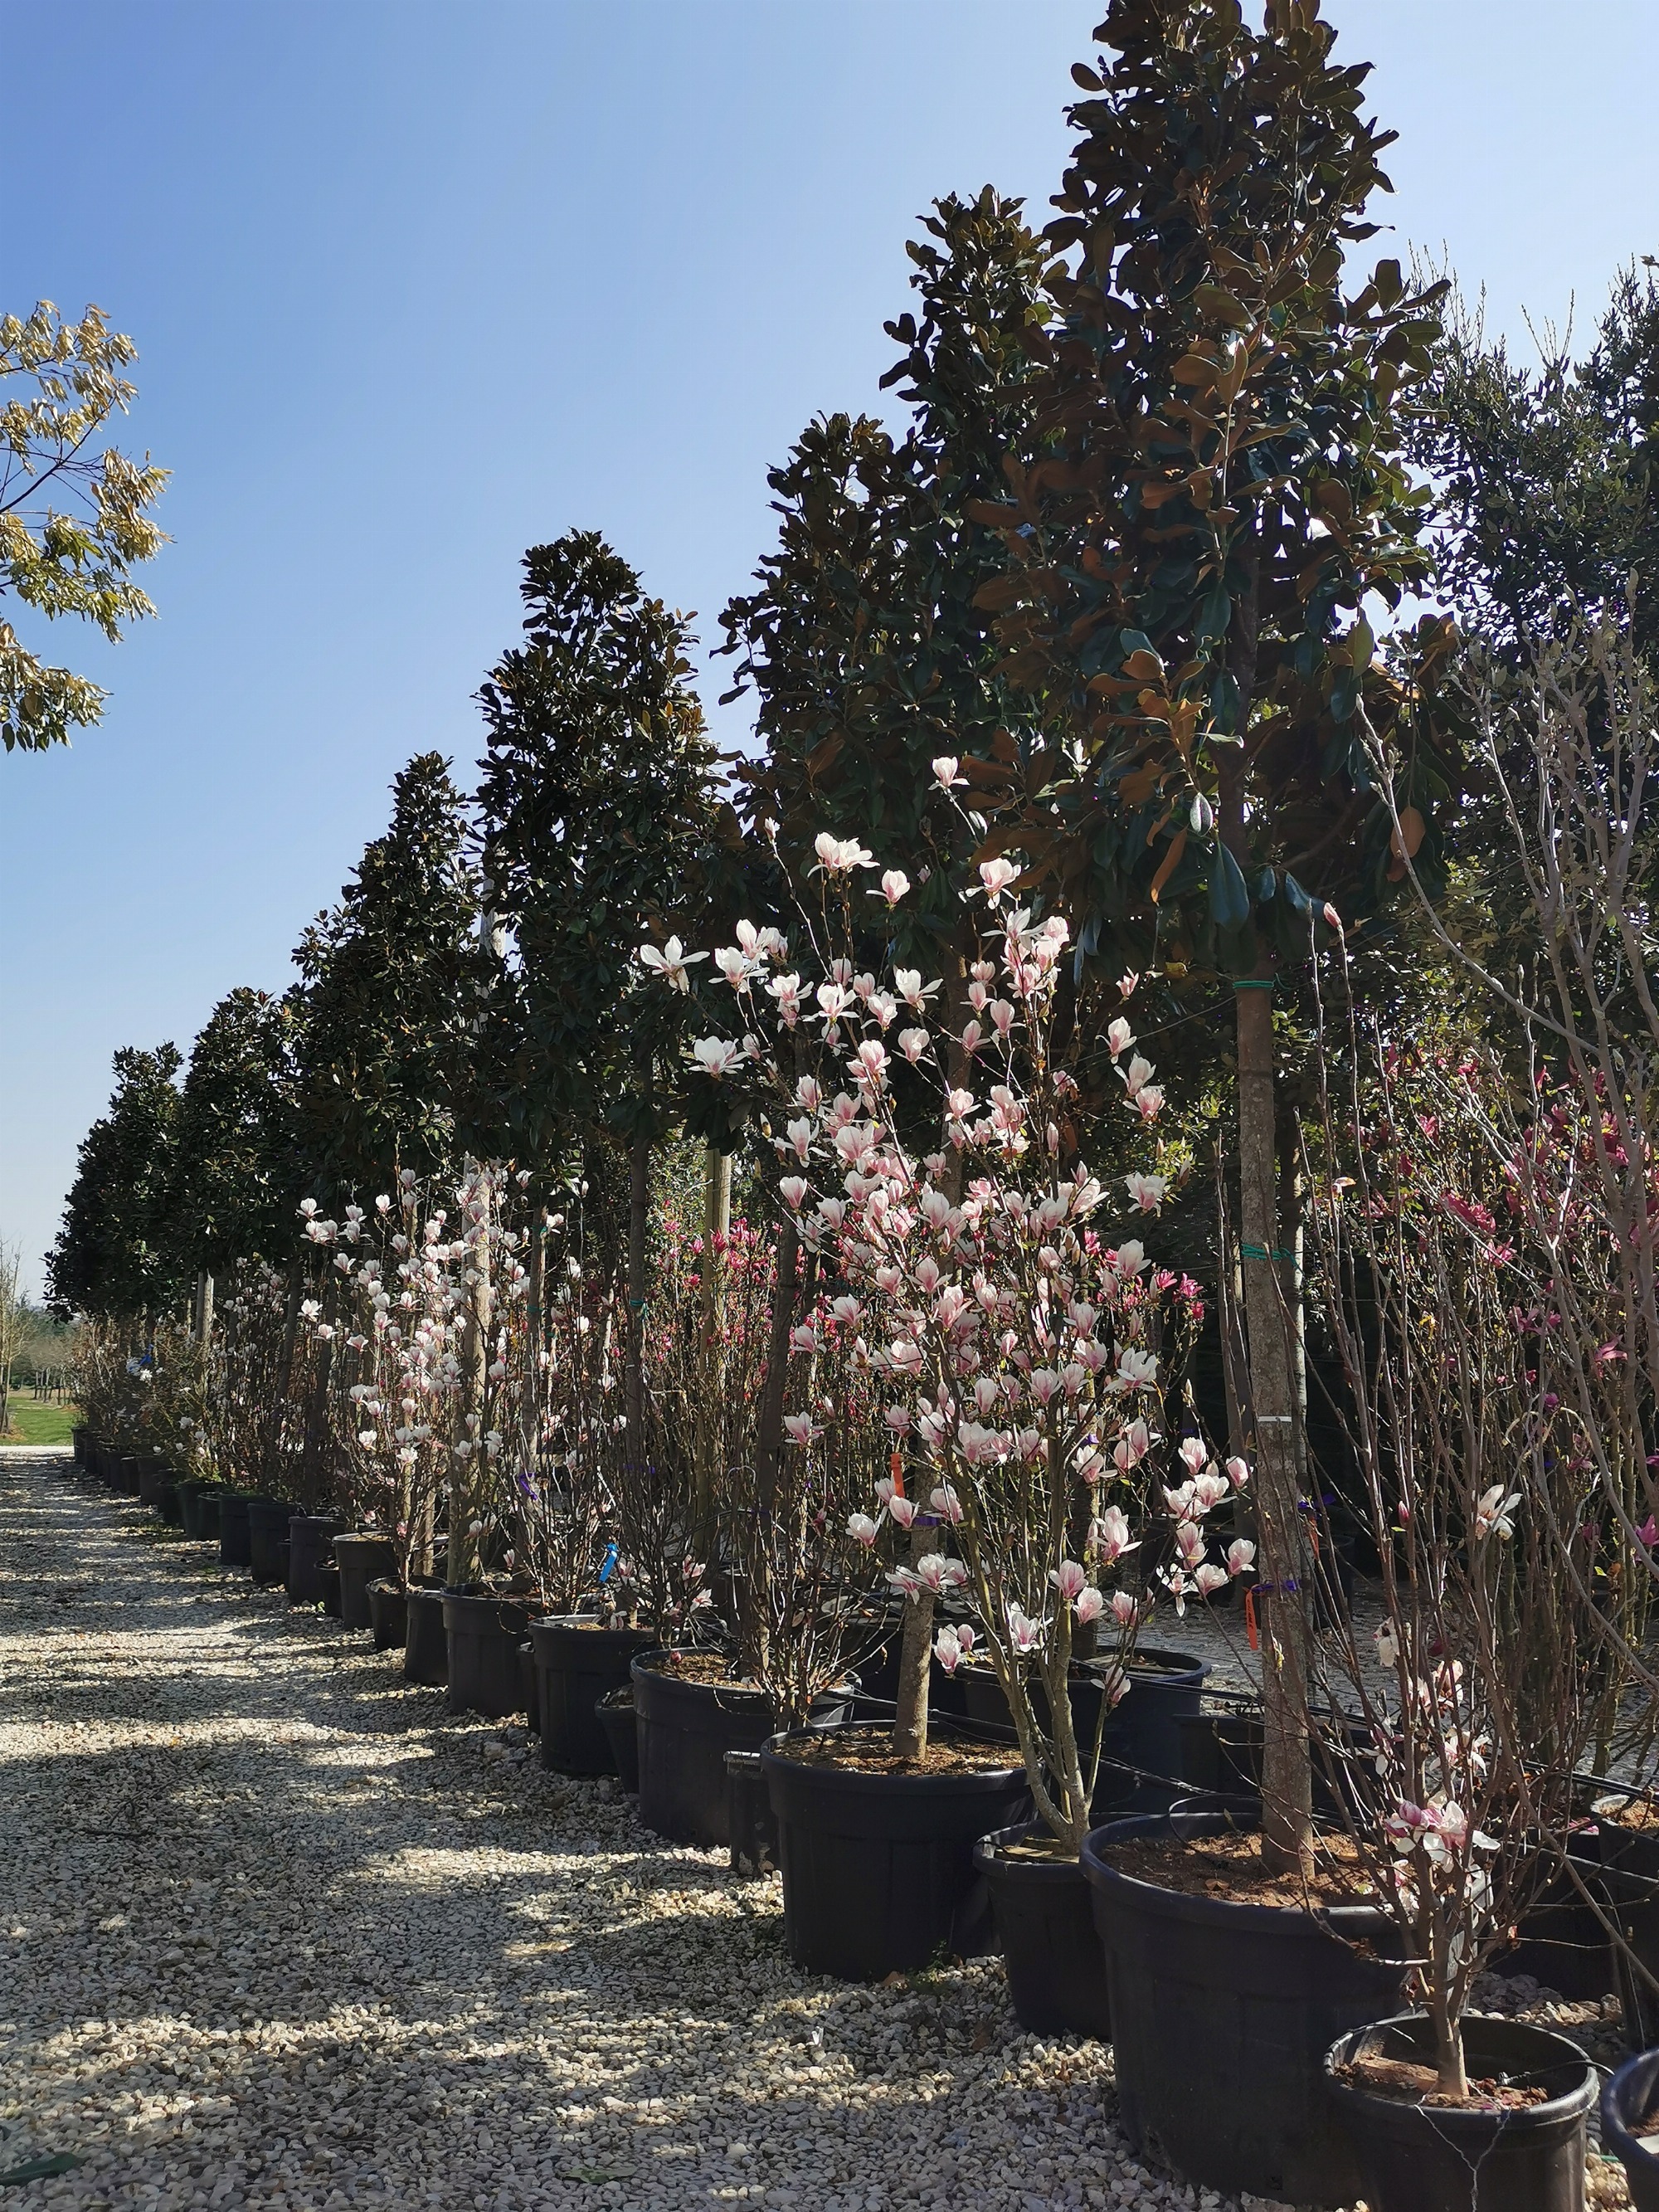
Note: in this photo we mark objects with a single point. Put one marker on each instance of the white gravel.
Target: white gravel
(278, 1931)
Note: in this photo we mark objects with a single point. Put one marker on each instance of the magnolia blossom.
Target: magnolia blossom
(716, 1056)
(894, 884)
(839, 856)
(671, 964)
(1494, 1515)
(953, 1645)
(862, 1529)
(1147, 1191)
(944, 772)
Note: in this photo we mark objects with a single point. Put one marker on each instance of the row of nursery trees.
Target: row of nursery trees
(1094, 706)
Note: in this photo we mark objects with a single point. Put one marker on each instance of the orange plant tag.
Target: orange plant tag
(1250, 1627)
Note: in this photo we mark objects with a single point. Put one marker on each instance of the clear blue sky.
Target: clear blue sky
(417, 285)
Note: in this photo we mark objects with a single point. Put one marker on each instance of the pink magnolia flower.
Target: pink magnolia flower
(1119, 1037)
(839, 856)
(1147, 1191)
(1241, 1556)
(800, 1428)
(944, 772)
(1069, 1579)
(1238, 1472)
(1088, 1605)
(861, 1528)
(894, 884)
(997, 875)
(1024, 1633)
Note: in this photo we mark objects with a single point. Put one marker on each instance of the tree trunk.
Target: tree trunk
(530, 1400)
(915, 1657)
(205, 1311)
(1287, 1770)
(639, 1215)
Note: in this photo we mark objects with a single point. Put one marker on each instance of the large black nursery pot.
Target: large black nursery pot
(328, 1577)
(1141, 1769)
(426, 1642)
(1224, 2012)
(751, 1826)
(131, 1476)
(1415, 2157)
(152, 1474)
(190, 1488)
(614, 1714)
(579, 1661)
(78, 1435)
(207, 1512)
(236, 1531)
(361, 1558)
(1630, 1882)
(1045, 1928)
(684, 1729)
(168, 1503)
(1628, 2103)
(267, 1538)
(310, 1538)
(484, 1634)
(388, 1614)
(878, 1872)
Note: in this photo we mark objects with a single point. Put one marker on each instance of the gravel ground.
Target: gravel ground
(280, 1932)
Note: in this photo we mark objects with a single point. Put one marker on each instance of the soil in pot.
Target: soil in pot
(1227, 1988)
(1517, 2146)
(752, 1825)
(484, 1633)
(235, 1534)
(388, 1614)
(362, 1558)
(1044, 1919)
(1630, 2126)
(267, 1532)
(310, 1537)
(878, 1853)
(688, 1714)
(615, 1714)
(426, 1646)
(578, 1661)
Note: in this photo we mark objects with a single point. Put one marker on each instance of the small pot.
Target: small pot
(878, 1872)
(426, 1647)
(190, 1489)
(207, 1512)
(310, 1536)
(328, 1577)
(1627, 2103)
(1422, 2158)
(235, 1534)
(752, 1825)
(267, 1533)
(388, 1614)
(152, 1474)
(614, 1714)
(1045, 1925)
(168, 1503)
(484, 1634)
(579, 1661)
(362, 1558)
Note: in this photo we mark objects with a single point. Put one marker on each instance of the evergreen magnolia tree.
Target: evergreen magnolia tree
(392, 999)
(236, 1176)
(114, 1257)
(863, 642)
(1221, 489)
(598, 797)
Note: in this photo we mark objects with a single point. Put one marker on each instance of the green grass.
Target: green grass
(34, 1422)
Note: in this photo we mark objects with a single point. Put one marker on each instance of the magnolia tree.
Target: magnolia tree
(1453, 1745)
(1021, 1359)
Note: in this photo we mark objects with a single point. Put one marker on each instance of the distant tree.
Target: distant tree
(115, 1255)
(74, 512)
(388, 1013)
(237, 1174)
(14, 1321)
(600, 805)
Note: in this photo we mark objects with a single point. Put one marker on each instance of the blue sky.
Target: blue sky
(417, 285)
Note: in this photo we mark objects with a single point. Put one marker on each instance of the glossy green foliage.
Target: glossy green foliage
(394, 990)
(115, 1254)
(237, 1174)
(1220, 488)
(599, 797)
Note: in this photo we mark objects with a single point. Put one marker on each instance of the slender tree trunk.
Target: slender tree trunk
(716, 1226)
(638, 1216)
(915, 1657)
(467, 1484)
(205, 1311)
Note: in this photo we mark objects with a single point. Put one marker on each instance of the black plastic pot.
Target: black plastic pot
(752, 1825)
(388, 1614)
(685, 1729)
(1142, 1732)
(1045, 1927)
(484, 1635)
(236, 1535)
(426, 1644)
(267, 1534)
(310, 1535)
(168, 1503)
(1562, 1941)
(529, 1690)
(129, 1477)
(189, 1490)
(1627, 2103)
(362, 1558)
(614, 1714)
(152, 1474)
(207, 1501)
(879, 1873)
(1225, 2014)
(579, 1661)
(78, 1436)
(328, 1577)
(1468, 2158)
(1629, 1861)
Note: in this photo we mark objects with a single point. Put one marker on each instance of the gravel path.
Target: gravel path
(278, 1931)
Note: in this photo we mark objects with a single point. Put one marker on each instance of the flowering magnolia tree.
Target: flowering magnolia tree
(1452, 1745)
(1023, 1360)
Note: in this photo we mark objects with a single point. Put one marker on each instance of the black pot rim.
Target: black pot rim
(1471, 2119)
(1640, 2069)
(1037, 1873)
(1182, 1905)
(748, 1693)
(987, 1781)
(550, 1626)
(619, 1700)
